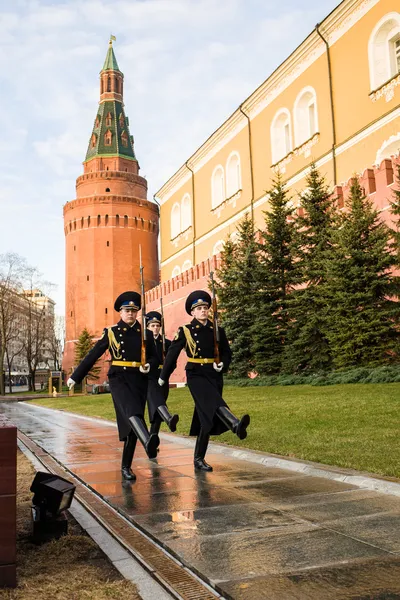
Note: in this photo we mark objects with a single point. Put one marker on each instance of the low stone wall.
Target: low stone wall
(8, 492)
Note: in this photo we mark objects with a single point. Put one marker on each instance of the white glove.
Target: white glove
(218, 367)
(161, 382)
(70, 383)
(145, 369)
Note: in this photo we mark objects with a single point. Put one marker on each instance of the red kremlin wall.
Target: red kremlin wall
(377, 183)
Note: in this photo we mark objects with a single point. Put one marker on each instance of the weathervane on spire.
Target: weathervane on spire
(112, 38)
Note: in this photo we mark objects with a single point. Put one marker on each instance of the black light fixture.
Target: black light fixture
(52, 497)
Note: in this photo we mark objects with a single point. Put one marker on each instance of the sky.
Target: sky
(188, 64)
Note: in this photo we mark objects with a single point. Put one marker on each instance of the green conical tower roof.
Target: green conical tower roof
(110, 134)
(110, 64)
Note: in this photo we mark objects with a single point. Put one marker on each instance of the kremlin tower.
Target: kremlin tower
(107, 222)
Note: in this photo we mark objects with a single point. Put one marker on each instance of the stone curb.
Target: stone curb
(356, 478)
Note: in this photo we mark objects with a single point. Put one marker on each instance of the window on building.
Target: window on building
(186, 265)
(82, 222)
(217, 186)
(281, 135)
(93, 140)
(125, 220)
(218, 247)
(305, 116)
(108, 119)
(107, 189)
(233, 175)
(116, 220)
(106, 220)
(97, 122)
(108, 84)
(108, 243)
(88, 221)
(124, 139)
(176, 271)
(384, 50)
(108, 137)
(121, 120)
(98, 220)
(175, 220)
(186, 212)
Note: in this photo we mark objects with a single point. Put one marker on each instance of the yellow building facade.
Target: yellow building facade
(335, 101)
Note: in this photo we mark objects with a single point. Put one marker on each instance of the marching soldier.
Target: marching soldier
(127, 378)
(204, 376)
(156, 397)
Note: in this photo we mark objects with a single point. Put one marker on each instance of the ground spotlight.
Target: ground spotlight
(52, 497)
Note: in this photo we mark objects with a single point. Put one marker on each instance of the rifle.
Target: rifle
(215, 320)
(162, 329)
(143, 303)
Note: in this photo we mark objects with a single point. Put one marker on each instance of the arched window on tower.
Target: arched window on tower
(101, 86)
(98, 220)
(116, 220)
(93, 140)
(186, 265)
(108, 137)
(108, 84)
(126, 221)
(108, 119)
(82, 222)
(97, 123)
(233, 175)
(124, 139)
(88, 221)
(106, 220)
(121, 120)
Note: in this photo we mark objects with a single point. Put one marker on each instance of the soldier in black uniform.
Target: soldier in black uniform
(127, 378)
(204, 377)
(156, 396)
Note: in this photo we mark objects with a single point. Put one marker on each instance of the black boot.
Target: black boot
(155, 425)
(127, 456)
(233, 423)
(170, 420)
(200, 450)
(150, 441)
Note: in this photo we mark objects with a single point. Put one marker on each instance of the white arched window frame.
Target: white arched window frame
(389, 148)
(305, 114)
(186, 212)
(233, 174)
(175, 220)
(384, 50)
(186, 265)
(281, 135)
(217, 186)
(218, 247)
(176, 271)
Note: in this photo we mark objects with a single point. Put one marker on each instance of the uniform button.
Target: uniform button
(119, 328)
(195, 334)
(122, 342)
(123, 358)
(123, 350)
(120, 335)
(124, 368)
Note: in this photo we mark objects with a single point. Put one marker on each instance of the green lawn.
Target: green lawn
(354, 425)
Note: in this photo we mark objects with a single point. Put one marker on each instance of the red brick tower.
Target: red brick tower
(107, 222)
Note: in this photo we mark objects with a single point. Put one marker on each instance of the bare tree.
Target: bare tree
(12, 273)
(38, 324)
(57, 341)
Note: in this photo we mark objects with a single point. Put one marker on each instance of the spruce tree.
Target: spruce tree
(82, 347)
(363, 316)
(307, 347)
(278, 276)
(395, 210)
(237, 285)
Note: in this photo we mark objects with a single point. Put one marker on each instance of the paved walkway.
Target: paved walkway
(252, 532)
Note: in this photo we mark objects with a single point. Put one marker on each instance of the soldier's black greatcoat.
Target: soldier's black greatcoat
(128, 385)
(156, 395)
(204, 383)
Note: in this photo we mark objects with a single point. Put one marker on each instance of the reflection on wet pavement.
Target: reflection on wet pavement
(256, 532)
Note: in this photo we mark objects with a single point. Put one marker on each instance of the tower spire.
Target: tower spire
(110, 134)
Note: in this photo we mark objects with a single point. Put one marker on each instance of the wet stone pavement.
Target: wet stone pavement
(254, 532)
